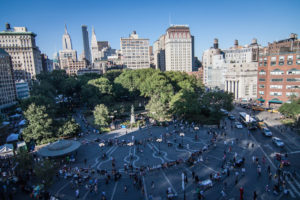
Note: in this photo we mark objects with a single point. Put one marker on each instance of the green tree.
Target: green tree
(69, 129)
(39, 125)
(101, 115)
(102, 84)
(157, 84)
(291, 110)
(157, 109)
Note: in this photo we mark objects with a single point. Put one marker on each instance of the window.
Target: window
(293, 79)
(281, 60)
(288, 94)
(276, 79)
(262, 79)
(277, 72)
(273, 61)
(261, 92)
(261, 86)
(293, 71)
(292, 86)
(276, 86)
(262, 72)
(275, 93)
(290, 60)
(265, 61)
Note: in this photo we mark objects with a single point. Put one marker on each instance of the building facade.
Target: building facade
(67, 52)
(74, 66)
(86, 46)
(178, 49)
(7, 83)
(22, 89)
(135, 52)
(47, 64)
(214, 67)
(279, 72)
(241, 73)
(159, 53)
(25, 55)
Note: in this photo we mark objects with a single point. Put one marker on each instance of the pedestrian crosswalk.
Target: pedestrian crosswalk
(293, 183)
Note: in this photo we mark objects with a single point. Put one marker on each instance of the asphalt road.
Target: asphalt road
(153, 154)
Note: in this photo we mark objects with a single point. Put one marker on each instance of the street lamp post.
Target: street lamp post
(181, 135)
(159, 140)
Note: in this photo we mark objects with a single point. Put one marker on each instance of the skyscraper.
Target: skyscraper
(94, 46)
(25, 55)
(67, 52)
(66, 40)
(176, 48)
(86, 46)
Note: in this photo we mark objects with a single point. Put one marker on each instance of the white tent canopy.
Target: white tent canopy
(6, 148)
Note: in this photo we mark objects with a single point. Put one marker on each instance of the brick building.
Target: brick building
(279, 72)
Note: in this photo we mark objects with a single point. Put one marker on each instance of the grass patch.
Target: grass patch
(288, 121)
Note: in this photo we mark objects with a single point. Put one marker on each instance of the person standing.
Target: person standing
(77, 193)
(241, 193)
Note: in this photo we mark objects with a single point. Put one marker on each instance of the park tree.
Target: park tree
(291, 110)
(185, 105)
(157, 109)
(39, 126)
(102, 84)
(70, 128)
(215, 100)
(101, 115)
(112, 75)
(157, 85)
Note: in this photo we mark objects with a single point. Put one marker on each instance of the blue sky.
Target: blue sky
(227, 20)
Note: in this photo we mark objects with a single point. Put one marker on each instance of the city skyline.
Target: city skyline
(226, 21)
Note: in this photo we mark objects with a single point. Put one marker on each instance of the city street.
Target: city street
(146, 160)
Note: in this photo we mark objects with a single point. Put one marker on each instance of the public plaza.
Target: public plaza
(179, 161)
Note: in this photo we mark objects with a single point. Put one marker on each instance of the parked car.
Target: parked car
(238, 125)
(278, 142)
(257, 108)
(231, 117)
(267, 132)
(261, 125)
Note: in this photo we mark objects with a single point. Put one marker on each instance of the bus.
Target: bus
(248, 121)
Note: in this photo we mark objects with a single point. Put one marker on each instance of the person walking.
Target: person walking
(254, 195)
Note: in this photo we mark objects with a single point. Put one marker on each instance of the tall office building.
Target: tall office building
(279, 72)
(25, 55)
(7, 86)
(178, 48)
(86, 46)
(135, 52)
(67, 51)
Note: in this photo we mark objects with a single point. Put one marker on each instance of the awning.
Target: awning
(261, 100)
(275, 101)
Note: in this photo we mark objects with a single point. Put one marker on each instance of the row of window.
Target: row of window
(280, 72)
(280, 86)
(280, 61)
(288, 94)
(281, 79)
